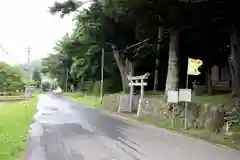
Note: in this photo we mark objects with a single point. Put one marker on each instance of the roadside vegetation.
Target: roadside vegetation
(15, 118)
(90, 100)
(11, 80)
(155, 37)
(232, 140)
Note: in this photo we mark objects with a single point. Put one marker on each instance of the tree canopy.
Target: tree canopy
(200, 29)
(11, 78)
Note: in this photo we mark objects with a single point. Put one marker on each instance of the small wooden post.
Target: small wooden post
(102, 76)
(173, 97)
(131, 95)
(137, 81)
(186, 108)
(173, 115)
(141, 97)
(142, 89)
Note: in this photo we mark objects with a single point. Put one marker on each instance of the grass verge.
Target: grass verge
(224, 99)
(232, 141)
(92, 101)
(12, 96)
(15, 118)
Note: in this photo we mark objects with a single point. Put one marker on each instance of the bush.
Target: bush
(78, 94)
(15, 118)
(46, 86)
(96, 88)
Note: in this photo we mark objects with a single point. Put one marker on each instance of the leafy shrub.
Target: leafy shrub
(46, 86)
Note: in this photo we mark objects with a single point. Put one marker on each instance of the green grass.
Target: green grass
(220, 139)
(204, 99)
(15, 118)
(73, 94)
(92, 101)
(213, 99)
(154, 93)
(225, 99)
(217, 98)
(12, 96)
(230, 141)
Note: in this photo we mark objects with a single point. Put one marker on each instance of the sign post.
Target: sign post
(185, 95)
(173, 98)
(137, 81)
(27, 94)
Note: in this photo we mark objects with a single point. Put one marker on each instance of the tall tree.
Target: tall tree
(232, 19)
(123, 23)
(11, 78)
(95, 23)
(37, 77)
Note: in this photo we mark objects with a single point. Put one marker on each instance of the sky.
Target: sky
(28, 23)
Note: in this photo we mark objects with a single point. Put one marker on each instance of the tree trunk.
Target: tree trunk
(234, 62)
(173, 62)
(123, 69)
(209, 80)
(231, 69)
(156, 73)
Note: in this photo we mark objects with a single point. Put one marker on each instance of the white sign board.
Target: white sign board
(185, 95)
(137, 84)
(172, 96)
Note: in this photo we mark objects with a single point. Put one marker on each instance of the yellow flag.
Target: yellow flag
(193, 65)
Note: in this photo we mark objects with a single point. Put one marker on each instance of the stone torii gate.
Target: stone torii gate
(137, 81)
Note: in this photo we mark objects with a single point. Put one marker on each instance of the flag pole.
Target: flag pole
(186, 103)
(192, 69)
(186, 107)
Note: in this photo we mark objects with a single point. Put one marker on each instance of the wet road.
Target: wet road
(65, 130)
(12, 99)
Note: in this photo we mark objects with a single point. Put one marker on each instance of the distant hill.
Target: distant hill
(36, 64)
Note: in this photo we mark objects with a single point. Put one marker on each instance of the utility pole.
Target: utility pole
(29, 72)
(102, 70)
(157, 62)
(66, 79)
(3, 53)
(3, 56)
(28, 50)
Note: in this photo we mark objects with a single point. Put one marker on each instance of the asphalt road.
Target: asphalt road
(65, 130)
(12, 99)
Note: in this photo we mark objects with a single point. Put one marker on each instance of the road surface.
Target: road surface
(12, 99)
(66, 130)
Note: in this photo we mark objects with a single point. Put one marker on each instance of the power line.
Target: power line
(66, 83)
(129, 47)
(136, 44)
(28, 50)
(102, 72)
(102, 63)
(28, 61)
(5, 52)
(27, 94)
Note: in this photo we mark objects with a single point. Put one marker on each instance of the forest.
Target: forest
(131, 38)
(145, 36)
(11, 78)
(14, 78)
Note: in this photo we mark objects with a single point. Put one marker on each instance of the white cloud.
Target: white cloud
(28, 23)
